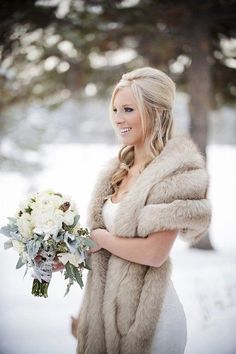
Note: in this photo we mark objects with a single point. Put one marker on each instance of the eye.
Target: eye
(126, 109)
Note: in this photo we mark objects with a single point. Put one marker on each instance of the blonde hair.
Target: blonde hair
(154, 92)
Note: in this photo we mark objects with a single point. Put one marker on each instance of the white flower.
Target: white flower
(28, 202)
(18, 246)
(73, 207)
(24, 205)
(46, 202)
(47, 222)
(69, 217)
(74, 259)
(25, 226)
(66, 198)
(16, 214)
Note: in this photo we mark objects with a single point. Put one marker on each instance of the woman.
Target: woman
(154, 190)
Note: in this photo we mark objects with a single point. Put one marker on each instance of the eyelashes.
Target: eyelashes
(126, 109)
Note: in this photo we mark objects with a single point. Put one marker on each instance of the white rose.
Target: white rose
(69, 217)
(16, 214)
(47, 222)
(46, 202)
(18, 246)
(27, 202)
(23, 205)
(25, 226)
(74, 259)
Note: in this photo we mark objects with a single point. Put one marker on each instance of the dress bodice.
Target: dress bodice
(108, 213)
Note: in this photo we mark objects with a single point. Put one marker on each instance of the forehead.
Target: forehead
(124, 96)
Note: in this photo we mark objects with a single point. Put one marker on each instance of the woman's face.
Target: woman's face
(127, 118)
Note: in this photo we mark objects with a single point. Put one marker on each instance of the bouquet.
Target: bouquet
(46, 229)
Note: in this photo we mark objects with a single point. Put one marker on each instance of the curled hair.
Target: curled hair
(154, 92)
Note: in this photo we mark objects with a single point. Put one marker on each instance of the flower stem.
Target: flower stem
(40, 288)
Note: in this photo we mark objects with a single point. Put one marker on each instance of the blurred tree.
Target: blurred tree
(65, 44)
(59, 48)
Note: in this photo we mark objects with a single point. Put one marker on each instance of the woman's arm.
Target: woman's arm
(152, 250)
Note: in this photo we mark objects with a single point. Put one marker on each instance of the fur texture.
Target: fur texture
(123, 300)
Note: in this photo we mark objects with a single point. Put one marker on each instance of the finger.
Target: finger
(38, 258)
(57, 266)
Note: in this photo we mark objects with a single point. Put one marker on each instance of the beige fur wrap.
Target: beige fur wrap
(122, 300)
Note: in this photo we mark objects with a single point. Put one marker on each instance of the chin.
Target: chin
(127, 141)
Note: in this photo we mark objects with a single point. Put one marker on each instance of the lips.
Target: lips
(125, 130)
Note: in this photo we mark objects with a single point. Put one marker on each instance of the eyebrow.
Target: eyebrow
(127, 104)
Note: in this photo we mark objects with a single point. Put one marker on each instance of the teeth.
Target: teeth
(125, 130)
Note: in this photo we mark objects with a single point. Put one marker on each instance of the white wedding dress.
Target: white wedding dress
(171, 332)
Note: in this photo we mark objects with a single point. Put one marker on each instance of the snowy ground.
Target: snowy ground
(204, 280)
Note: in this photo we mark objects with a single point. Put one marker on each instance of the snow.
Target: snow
(204, 280)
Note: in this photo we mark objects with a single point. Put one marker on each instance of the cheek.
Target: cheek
(136, 120)
(138, 125)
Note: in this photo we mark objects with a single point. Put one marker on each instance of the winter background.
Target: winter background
(81, 142)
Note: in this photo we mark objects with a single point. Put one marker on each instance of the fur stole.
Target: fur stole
(122, 300)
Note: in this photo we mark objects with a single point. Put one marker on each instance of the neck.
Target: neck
(140, 157)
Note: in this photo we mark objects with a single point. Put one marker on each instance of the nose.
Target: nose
(119, 118)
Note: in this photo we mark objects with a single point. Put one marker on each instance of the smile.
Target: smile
(125, 130)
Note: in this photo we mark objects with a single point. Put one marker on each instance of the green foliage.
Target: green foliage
(76, 219)
(20, 263)
(61, 247)
(28, 210)
(12, 220)
(74, 274)
(88, 242)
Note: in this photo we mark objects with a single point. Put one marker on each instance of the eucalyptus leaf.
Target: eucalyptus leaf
(20, 263)
(66, 275)
(5, 231)
(16, 235)
(25, 272)
(77, 276)
(9, 230)
(72, 246)
(69, 270)
(32, 248)
(76, 219)
(88, 242)
(8, 244)
(12, 220)
(71, 282)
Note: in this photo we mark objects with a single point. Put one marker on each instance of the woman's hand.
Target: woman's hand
(96, 235)
(57, 265)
